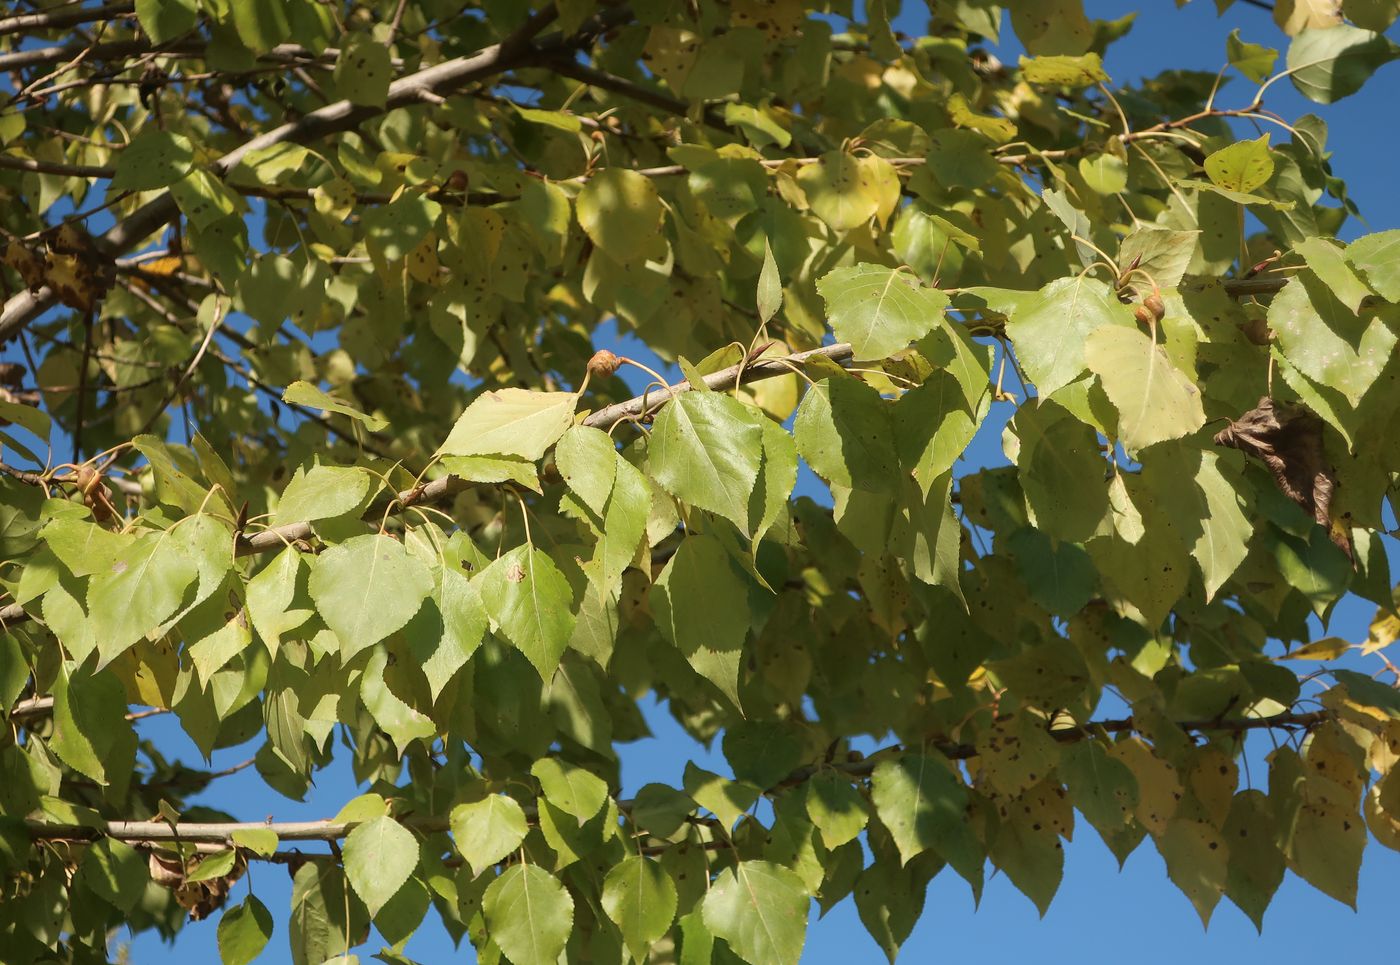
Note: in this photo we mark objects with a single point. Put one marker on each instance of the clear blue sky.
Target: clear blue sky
(1100, 913)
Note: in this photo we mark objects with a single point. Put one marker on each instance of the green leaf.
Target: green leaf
(115, 872)
(395, 229)
(486, 831)
(270, 595)
(142, 588)
(1328, 263)
(154, 159)
(363, 70)
(836, 808)
(1155, 400)
(1365, 690)
(844, 431)
(879, 310)
(261, 24)
(1104, 173)
(531, 602)
(839, 190)
(933, 425)
(726, 800)
(215, 865)
(27, 417)
(762, 752)
(244, 931)
(706, 450)
(511, 422)
(700, 603)
(1164, 255)
(1100, 786)
(923, 805)
(464, 623)
(1050, 328)
(1225, 528)
(1061, 469)
(587, 459)
(366, 588)
(1329, 64)
(164, 20)
(1031, 855)
(379, 855)
(770, 286)
(889, 898)
(1059, 575)
(528, 914)
(261, 841)
(322, 492)
(304, 393)
(639, 896)
(1377, 257)
(777, 476)
(621, 212)
(660, 809)
(1326, 341)
(570, 788)
(84, 548)
(1256, 865)
(760, 909)
(402, 723)
(1255, 61)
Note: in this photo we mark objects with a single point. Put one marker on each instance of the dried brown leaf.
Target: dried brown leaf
(1287, 439)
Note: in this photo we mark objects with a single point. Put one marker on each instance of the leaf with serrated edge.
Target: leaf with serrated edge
(528, 914)
(760, 909)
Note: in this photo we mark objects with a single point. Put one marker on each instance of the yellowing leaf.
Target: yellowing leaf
(1243, 166)
(511, 422)
(1155, 400)
(621, 212)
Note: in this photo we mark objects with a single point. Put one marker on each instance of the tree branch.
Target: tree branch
(57, 19)
(330, 830)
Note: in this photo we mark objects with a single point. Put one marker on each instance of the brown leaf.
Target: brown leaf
(199, 898)
(1287, 438)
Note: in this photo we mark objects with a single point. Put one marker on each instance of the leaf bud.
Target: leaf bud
(1153, 303)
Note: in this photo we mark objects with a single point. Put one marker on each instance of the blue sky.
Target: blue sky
(1100, 912)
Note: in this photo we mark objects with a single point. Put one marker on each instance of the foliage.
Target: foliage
(315, 293)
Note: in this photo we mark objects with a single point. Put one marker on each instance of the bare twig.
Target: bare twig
(57, 19)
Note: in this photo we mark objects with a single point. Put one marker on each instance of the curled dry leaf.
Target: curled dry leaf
(69, 263)
(1287, 438)
(199, 898)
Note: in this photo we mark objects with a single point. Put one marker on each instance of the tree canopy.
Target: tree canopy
(315, 436)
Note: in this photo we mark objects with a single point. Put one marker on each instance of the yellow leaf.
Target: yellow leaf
(1159, 786)
(1213, 777)
(1328, 648)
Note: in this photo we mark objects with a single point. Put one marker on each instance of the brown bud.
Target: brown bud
(596, 137)
(603, 363)
(1143, 316)
(457, 180)
(1153, 303)
(88, 479)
